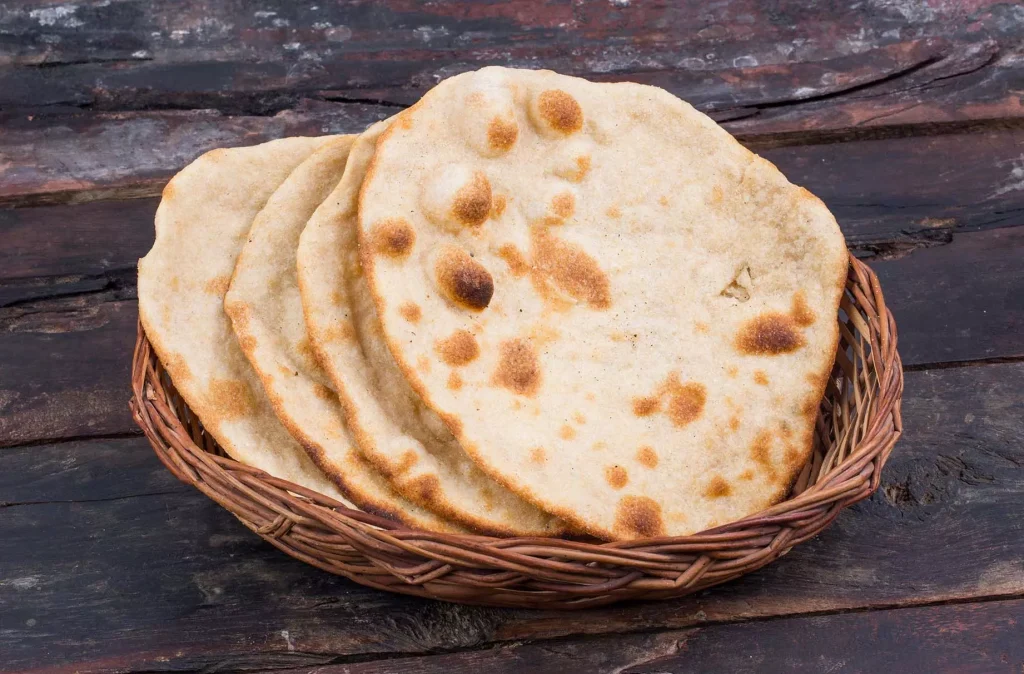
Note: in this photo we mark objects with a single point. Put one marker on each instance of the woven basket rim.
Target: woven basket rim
(860, 420)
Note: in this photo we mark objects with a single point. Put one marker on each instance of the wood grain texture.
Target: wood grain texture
(959, 302)
(788, 73)
(131, 571)
(731, 56)
(88, 156)
(934, 640)
(46, 159)
(65, 368)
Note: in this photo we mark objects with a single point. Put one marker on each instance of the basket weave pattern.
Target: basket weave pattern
(858, 424)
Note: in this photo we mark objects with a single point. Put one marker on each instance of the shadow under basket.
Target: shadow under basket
(857, 426)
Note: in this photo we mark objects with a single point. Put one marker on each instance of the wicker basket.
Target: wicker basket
(858, 424)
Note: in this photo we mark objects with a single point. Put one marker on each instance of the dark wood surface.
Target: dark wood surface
(905, 116)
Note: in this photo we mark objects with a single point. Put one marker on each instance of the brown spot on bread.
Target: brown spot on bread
(410, 311)
(563, 205)
(579, 418)
(614, 212)
(801, 313)
(761, 453)
(732, 371)
(230, 398)
(793, 457)
(393, 237)
(638, 517)
(406, 462)
(502, 134)
(567, 432)
(458, 349)
(178, 368)
(702, 327)
(463, 280)
(685, 401)
(717, 488)
(616, 476)
(516, 261)
(717, 194)
(518, 367)
(538, 455)
(560, 110)
(645, 406)
(454, 381)
(569, 268)
(810, 407)
(472, 203)
(769, 334)
(248, 344)
(405, 122)
(337, 299)
(423, 363)
(343, 330)
(747, 475)
(663, 200)
(734, 423)
(425, 488)
(647, 457)
(218, 285)
(582, 169)
(322, 392)
(760, 378)
(599, 445)
(498, 205)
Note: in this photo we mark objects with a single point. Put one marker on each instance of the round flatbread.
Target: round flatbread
(201, 224)
(406, 441)
(266, 311)
(624, 315)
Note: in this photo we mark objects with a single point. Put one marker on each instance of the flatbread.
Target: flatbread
(266, 311)
(407, 442)
(201, 224)
(625, 316)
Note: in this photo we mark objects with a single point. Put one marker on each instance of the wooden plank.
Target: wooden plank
(68, 158)
(116, 568)
(82, 240)
(65, 368)
(959, 302)
(736, 56)
(46, 159)
(982, 637)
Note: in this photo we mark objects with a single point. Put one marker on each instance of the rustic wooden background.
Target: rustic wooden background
(905, 116)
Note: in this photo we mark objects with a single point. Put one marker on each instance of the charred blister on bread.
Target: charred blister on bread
(556, 113)
(393, 237)
(463, 281)
(457, 197)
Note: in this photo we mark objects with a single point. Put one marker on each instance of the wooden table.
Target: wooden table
(905, 116)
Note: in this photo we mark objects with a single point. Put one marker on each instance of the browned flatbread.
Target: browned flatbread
(266, 312)
(621, 314)
(406, 442)
(201, 224)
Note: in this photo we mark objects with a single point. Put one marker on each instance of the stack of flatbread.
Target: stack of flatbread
(529, 305)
